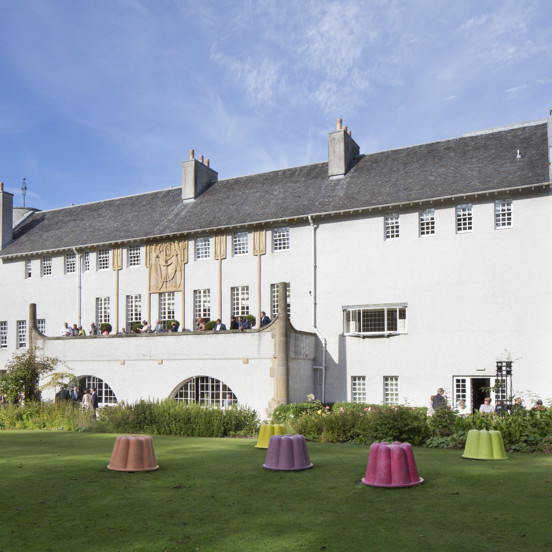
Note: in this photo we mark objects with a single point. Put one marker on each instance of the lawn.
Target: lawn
(214, 495)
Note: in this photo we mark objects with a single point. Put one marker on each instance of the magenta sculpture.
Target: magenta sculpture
(287, 452)
(391, 466)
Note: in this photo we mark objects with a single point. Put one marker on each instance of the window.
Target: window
(102, 310)
(503, 213)
(460, 391)
(427, 222)
(70, 263)
(134, 255)
(166, 306)
(203, 248)
(104, 392)
(280, 239)
(240, 243)
(86, 261)
(46, 266)
(28, 267)
(41, 325)
(103, 259)
(3, 335)
(133, 311)
(392, 226)
(202, 304)
(206, 391)
(464, 218)
(274, 302)
(240, 301)
(375, 320)
(21, 334)
(358, 389)
(390, 389)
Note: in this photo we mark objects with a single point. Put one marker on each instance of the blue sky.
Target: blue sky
(105, 98)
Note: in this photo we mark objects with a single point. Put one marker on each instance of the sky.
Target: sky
(105, 98)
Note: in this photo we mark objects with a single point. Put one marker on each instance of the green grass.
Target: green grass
(214, 495)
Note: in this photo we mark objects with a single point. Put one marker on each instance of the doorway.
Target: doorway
(479, 390)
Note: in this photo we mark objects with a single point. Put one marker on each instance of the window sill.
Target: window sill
(375, 334)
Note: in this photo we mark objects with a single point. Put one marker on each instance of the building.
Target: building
(403, 271)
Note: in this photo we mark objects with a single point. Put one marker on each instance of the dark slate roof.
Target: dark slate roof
(467, 165)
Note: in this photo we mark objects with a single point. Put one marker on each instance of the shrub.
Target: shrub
(252, 320)
(170, 323)
(210, 325)
(105, 327)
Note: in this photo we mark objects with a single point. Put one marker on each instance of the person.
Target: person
(174, 327)
(95, 403)
(75, 395)
(159, 327)
(486, 407)
(66, 330)
(87, 401)
(64, 393)
(234, 323)
(243, 324)
(200, 325)
(539, 406)
(219, 326)
(228, 402)
(146, 328)
(518, 407)
(81, 331)
(438, 401)
(463, 410)
(93, 329)
(265, 320)
(501, 407)
(74, 330)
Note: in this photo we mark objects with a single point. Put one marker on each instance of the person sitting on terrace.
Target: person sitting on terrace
(174, 327)
(486, 407)
(219, 327)
(74, 330)
(159, 327)
(146, 328)
(234, 323)
(66, 330)
(200, 325)
(243, 324)
(93, 329)
(80, 331)
(265, 320)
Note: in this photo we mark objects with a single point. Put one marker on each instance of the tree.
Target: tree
(23, 372)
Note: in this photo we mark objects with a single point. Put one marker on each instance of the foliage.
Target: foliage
(23, 372)
(57, 379)
(137, 327)
(252, 320)
(105, 327)
(59, 416)
(210, 325)
(170, 323)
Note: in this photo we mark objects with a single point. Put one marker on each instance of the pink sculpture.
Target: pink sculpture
(391, 466)
(132, 454)
(287, 452)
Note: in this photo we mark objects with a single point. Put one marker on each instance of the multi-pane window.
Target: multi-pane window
(358, 389)
(274, 300)
(390, 389)
(461, 391)
(3, 335)
(391, 226)
(464, 218)
(103, 259)
(133, 310)
(21, 333)
(102, 310)
(41, 325)
(86, 261)
(166, 306)
(374, 320)
(28, 268)
(134, 255)
(70, 263)
(240, 243)
(427, 222)
(240, 301)
(280, 239)
(202, 304)
(503, 213)
(104, 392)
(203, 247)
(206, 391)
(46, 266)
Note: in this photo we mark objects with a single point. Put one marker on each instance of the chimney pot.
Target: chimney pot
(1, 186)
(201, 158)
(206, 162)
(191, 154)
(339, 124)
(349, 132)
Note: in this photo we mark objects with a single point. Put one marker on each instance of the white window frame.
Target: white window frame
(375, 320)
(239, 301)
(102, 258)
(202, 304)
(133, 310)
(202, 248)
(102, 311)
(391, 390)
(280, 239)
(3, 334)
(358, 389)
(206, 391)
(70, 263)
(427, 222)
(167, 306)
(503, 213)
(240, 244)
(464, 218)
(28, 268)
(86, 261)
(21, 334)
(104, 392)
(134, 255)
(41, 325)
(392, 226)
(275, 302)
(46, 266)
(462, 391)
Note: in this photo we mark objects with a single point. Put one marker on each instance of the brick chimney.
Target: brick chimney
(197, 176)
(6, 214)
(342, 149)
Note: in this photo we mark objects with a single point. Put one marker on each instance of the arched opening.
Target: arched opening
(105, 393)
(206, 391)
